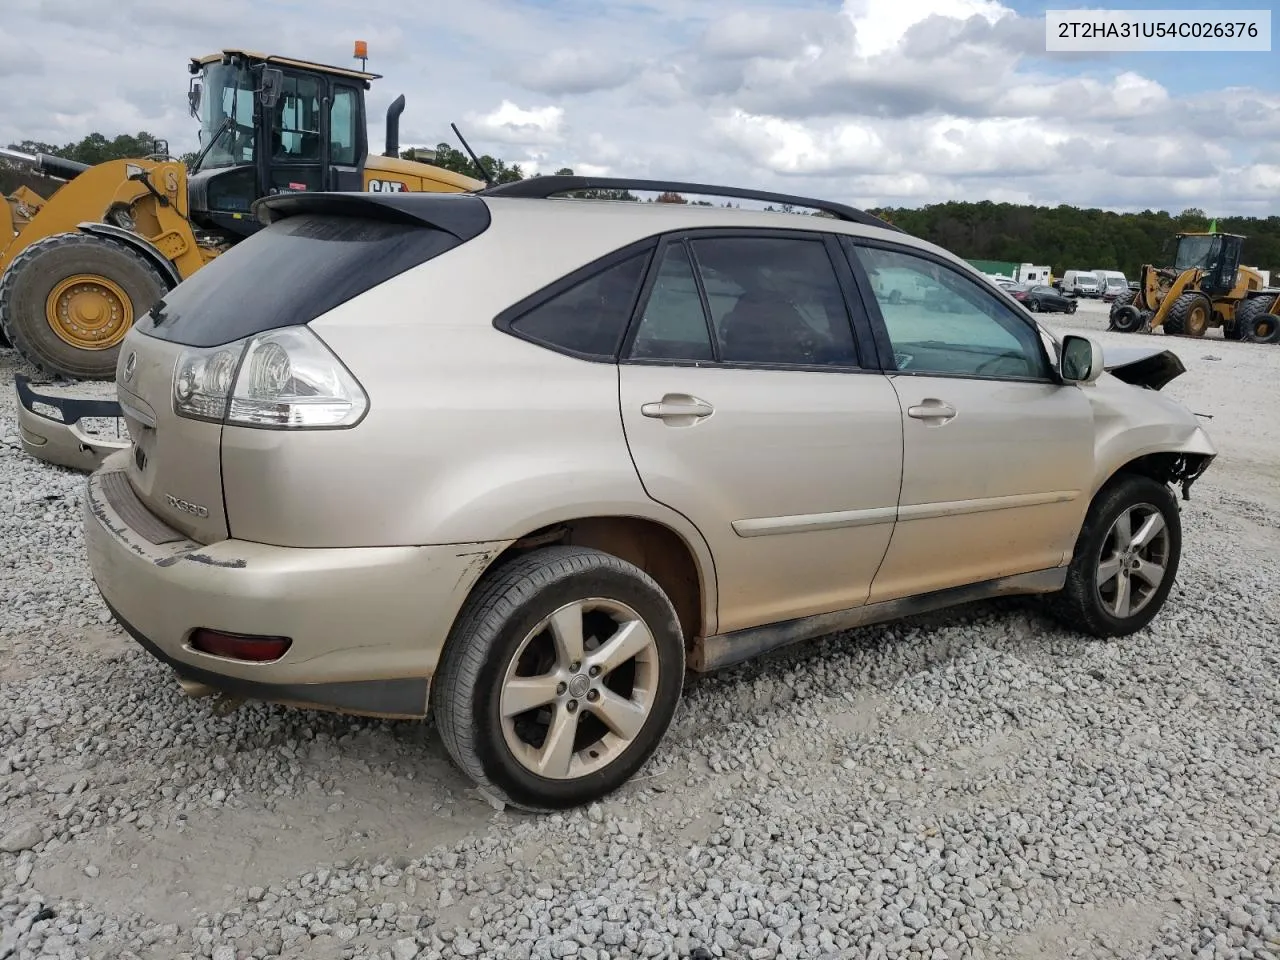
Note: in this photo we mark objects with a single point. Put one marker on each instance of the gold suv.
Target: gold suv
(520, 461)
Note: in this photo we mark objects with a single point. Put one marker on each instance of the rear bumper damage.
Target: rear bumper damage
(63, 442)
(366, 625)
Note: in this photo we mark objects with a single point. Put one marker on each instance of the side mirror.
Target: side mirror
(272, 84)
(193, 97)
(1081, 359)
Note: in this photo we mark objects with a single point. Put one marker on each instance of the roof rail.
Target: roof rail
(542, 188)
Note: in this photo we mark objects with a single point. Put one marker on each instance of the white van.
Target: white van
(1112, 283)
(1080, 283)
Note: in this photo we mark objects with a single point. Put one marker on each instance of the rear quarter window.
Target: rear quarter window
(290, 273)
(586, 318)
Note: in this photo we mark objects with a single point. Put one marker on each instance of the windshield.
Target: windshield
(1193, 252)
(228, 92)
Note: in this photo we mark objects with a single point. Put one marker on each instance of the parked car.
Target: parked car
(1040, 297)
(523, 494)
(1080, 283)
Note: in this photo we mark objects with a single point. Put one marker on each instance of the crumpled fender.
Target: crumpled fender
(1132, 422)
(61, 441)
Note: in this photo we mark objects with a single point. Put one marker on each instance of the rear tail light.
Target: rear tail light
(287, 378)
(236, 646)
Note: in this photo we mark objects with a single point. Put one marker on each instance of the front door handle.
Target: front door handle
(932, 410)
(677, 407)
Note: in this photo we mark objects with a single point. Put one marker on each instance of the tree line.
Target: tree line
(1070, 238)
(1063, 237)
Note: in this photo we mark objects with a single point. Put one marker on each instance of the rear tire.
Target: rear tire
(1110, 568)
(1189, 315)
(513, 681)
(128, 287)
(1254, 324)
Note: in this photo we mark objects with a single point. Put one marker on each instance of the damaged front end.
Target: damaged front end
(57, 436)
(1143, 430)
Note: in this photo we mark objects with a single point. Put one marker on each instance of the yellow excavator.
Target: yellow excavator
(1205, 288)
(77, 268)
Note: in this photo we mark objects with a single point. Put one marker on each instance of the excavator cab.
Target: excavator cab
(1216, 254)
(272, 125)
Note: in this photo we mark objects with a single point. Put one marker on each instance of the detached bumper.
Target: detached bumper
(367, 624)
(62, 442)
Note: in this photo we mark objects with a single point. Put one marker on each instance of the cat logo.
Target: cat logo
(388, 186)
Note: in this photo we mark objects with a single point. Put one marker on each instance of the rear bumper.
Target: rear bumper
(62, 442)
(368, 624)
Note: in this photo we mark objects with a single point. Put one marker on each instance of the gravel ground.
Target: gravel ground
(978, 784)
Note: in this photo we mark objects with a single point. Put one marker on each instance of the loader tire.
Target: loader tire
(1189, 315)
(1255, 324)
(1123, 300)
(1128, 319)
(68, 300)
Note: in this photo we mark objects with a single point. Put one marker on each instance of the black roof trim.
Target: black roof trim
(463, 215)
(542, 188)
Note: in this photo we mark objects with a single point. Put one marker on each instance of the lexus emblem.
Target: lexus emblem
(130, 365)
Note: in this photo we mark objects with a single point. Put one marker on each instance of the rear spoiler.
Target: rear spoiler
(60, 440)
(464, 215)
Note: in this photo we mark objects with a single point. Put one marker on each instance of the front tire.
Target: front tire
(67, 301)
(1125, 561)
(1189, 315)
(559, 678)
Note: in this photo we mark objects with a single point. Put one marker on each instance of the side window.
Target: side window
(939, 321)
(591, 316)
(673, 325)
(775, 300)
(295, 129)
(342, 127)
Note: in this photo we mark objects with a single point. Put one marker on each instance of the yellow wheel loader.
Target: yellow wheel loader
(1205, 288)
(77, 269)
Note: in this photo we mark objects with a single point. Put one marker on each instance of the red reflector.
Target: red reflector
(236, 646)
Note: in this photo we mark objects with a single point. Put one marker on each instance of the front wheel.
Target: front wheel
(1125, 561)
(560, 677)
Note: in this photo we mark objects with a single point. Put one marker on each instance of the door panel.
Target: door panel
(745, 411)
(997, 455)
(999, 489)
(806, 466)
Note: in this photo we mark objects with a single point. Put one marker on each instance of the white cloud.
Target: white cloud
(518, 126)
(881, 24)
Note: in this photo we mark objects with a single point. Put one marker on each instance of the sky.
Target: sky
(870, 102)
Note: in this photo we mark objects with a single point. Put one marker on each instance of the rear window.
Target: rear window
(290, 273)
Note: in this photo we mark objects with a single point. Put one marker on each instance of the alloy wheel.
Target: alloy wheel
(579, 689)
(1133, 561)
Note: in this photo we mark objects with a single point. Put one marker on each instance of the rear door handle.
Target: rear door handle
(932, 409)
(677, 407)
